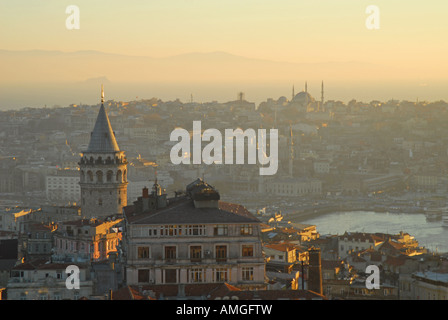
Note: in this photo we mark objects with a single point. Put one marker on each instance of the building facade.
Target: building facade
(63, 186)
(85, 240)
(192, 239)
(47, 281)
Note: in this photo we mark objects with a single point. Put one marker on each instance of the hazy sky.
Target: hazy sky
(412, 34)
(411, 31)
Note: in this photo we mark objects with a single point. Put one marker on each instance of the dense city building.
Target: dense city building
(193, 238)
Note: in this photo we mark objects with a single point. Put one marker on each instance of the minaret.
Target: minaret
(103, 171)
(322, 93)
(322, 96)
(292, 93)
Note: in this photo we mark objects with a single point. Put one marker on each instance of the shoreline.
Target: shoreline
(317, 212)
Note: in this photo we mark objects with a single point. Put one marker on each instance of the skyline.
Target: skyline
(404, 59)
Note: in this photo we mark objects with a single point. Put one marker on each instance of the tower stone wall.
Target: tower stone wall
(103, 171)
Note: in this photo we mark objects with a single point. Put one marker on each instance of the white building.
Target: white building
(293, 187)
(47, 281)
(63, 186)
(428, 285)
(357, 241)
(321, 167)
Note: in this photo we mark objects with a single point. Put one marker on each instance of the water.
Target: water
(429, 234)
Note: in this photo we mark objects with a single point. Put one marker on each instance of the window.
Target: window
(143, 252)
(99, 176)
(220, 230)
(171, 230)
(195, 253)
(248, 273)
(170, 275)
(246, 230)
(143, 275)
(247, 250)
(196, 275)
(109, 176)
(221, 275)
(195, 230)
(170, 252)
(221, 253)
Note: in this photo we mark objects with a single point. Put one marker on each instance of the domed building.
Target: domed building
(304, 102)
(303, 98)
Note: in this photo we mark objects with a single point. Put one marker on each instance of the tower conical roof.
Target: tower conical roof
(102, 139)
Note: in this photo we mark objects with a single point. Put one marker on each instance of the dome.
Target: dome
(303, 97)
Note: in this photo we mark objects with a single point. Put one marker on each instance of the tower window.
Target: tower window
(90, 174)
(100, 202)
(109, 176)
(99, 176)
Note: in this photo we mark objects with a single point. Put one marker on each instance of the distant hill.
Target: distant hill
(55, 66)
(39, 77)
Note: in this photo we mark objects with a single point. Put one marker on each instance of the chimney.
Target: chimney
(315, 271)
(145, 193)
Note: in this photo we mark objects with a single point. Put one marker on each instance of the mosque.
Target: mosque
(304, 102)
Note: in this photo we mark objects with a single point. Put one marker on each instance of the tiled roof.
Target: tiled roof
(129, 293)
(395, 261)
(213, 291)
(281, 246)
(331, 264)
(361, 236)
(277, 294)
(42, 264)
(184, 211)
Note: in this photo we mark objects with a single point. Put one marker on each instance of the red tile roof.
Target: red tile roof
(129, 293)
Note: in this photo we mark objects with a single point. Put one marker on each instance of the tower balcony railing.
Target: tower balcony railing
(96, 162)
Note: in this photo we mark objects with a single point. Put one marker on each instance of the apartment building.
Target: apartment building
(191, 239)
